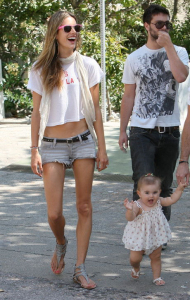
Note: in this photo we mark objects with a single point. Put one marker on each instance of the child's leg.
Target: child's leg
(155, 258)
(135, 259)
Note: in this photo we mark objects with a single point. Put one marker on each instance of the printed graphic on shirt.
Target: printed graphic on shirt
(157, 86)
(68, 79)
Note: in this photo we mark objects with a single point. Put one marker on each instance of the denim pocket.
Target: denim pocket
(135, 132)
(176, 134)
(46, 145)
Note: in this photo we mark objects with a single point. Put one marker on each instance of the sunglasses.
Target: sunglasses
(67, 28)
(161, 24)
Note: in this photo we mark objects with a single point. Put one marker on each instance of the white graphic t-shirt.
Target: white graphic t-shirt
(156, 99)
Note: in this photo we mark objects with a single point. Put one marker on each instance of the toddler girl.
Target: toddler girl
(147, 228)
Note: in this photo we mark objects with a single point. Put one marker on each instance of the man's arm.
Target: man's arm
(127, 104)
(178, 69)
(182, 173)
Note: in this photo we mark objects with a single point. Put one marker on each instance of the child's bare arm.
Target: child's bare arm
(132, 210)
(175, 196)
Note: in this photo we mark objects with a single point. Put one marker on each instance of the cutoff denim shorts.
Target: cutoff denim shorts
(66, 153)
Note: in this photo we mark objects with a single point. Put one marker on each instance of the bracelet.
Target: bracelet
(183, 161)
(33, 147)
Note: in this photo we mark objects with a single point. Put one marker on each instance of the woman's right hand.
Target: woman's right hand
(36, 162)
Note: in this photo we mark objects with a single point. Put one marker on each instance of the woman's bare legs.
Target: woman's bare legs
(155, 258)
(135, 260)
(53, 176)
(83, 171)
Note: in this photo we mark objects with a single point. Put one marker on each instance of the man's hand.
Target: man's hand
(164, 39)
(123, 141)
(182, 173)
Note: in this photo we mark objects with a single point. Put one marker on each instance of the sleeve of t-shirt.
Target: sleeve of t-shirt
(183, 55)
(128, 75)
(35, 82)
(95, 73)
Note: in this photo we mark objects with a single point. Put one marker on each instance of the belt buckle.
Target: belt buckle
(159, 130)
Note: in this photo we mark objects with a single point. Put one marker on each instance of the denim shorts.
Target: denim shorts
(66, 153)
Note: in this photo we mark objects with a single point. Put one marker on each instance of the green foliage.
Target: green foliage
(21, 36)
(115, 57)
(17, 103)
(181, 33)
(18, 100)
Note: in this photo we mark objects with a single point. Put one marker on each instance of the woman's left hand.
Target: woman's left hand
(101, 161)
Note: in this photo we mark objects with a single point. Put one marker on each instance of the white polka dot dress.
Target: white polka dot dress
(148, 231)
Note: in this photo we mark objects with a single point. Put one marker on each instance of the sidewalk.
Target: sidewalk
(26, 242)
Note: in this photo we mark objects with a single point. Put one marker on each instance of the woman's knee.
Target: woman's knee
(84, 208)
(55, 216)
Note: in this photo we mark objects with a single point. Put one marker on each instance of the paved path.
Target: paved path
(26, 242)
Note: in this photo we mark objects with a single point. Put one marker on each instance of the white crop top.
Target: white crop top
(66, 104)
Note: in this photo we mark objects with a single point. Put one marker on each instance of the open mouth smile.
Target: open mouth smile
(151, 201)
(72, 39)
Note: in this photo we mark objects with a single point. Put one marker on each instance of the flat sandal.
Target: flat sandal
(158, 280)
(81, 272)
(60, 251)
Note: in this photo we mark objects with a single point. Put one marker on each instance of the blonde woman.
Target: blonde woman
(67, 120)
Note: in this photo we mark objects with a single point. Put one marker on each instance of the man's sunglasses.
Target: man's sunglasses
(161, 24)
(67, 28)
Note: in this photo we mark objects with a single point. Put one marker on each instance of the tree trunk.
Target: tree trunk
(108, 103)
(175, 10)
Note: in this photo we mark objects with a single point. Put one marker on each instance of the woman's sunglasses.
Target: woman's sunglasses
(161, 24)
(67, 28)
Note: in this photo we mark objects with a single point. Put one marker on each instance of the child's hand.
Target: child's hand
(128, 205)
(182, 185)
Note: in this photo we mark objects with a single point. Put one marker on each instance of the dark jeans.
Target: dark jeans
(154, 152)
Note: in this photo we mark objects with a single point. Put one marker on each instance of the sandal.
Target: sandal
(81, 272)
(158, 280)
(60, 251)
(135, 274)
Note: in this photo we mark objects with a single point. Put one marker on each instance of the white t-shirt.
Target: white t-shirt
(66, 104)
(156, 99)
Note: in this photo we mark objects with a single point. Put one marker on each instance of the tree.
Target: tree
(21, 39)
(181, 33)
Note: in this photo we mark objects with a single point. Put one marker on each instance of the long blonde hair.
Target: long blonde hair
(48, 61)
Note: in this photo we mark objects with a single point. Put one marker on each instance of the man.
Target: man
(182, 172)
(151, 76)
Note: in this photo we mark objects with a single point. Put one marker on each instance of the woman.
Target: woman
(65, 88)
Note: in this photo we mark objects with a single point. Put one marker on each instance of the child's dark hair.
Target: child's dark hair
(148, 179)
(152, 10)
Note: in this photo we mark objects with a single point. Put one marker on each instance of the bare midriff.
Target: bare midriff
(66, 130)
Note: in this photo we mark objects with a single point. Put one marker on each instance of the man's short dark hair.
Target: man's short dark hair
(152, 10)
